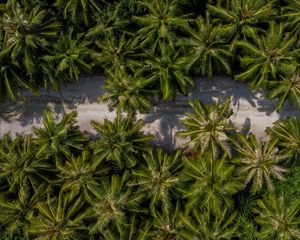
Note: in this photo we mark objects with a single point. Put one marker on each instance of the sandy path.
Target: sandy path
(162, 121)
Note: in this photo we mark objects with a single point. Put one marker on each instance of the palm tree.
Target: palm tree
(210, 183)
(160, 24)
(59, 218)
(14, 212)
(112, 21)
(113, 200)
(20, 164)
(115, 52)
(120, 141)
(291, 15)
(168, 70)
(208, 225)
(209, 50)
(268, 57)
(127, 93)
(157, 177)
(57, 139)
(286, 88)
(287, 132)
(240, 18)
(132, 230)
(258, 162)
(27, 34)
(278, 218)
(208, 126)
(78, 174)
(12, 78)
(167, 225)
(79, 10)
(47, 75)
(70, 56)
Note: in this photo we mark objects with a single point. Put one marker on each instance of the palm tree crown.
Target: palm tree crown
(268, 57)
(208, 225)
(208, 126)
(286, 88)
(157, 177)
(127, 92)
(70, 56)
(208, 48)
(212, 183)
(55, 139)
(278, 218)
(20, 165)
(120, 141)
(168, 70)
(292, 16)
(161, 22)
(59, 218)
(288, 134)
(26, 33)
(259, 162)
(240, 18)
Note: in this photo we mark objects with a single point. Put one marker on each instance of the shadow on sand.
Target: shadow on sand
(31, 110)
(163, 120)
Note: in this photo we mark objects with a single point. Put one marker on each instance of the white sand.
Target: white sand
(162, 121)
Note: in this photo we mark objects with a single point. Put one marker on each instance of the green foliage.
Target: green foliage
(278, 218)
(79, 11)
(14, 212)
(209, 225)
(159, 25)
(258, 162)
(292, 16)
(111, 22)
(168, 71)
(11, 79)
(70, 56)
(287, 132)
(208, 126)
(240, 19)
(290, 187)
(157, 177)
(130, 230)
(126, 92)
(209, 50)
(167, 225)
(79, 174)
(59, 184)
(286, 88)
(120, 141)
(64, 189)
(212, 183)
(45, 44)
(27, 33)
(59, 218)
(21, 165)
(271, 56)
(111, 203)
(115, 52)
(58, 139)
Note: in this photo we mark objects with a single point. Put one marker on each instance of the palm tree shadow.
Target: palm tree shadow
(224, 86)
(240, 93)
(30, 111)
(167, 117)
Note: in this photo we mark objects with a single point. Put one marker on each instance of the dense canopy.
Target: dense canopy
(59, 183)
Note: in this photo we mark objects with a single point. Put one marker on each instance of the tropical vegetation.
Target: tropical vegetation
(119, 186)
(60, 183)
(45, 44)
